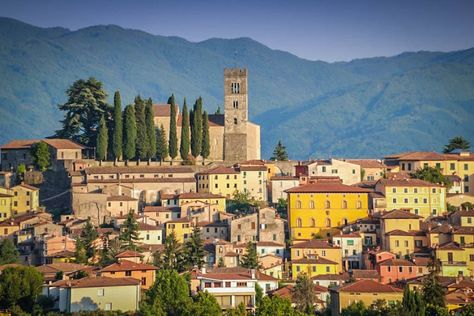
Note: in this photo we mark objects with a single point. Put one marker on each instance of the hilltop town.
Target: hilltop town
(165, 209)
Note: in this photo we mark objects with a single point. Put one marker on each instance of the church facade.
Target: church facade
(233, 137)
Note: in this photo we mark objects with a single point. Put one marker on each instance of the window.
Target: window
(433, 190)
(359, 204)
(144, 281)
(313, 222)
(314, 268)
(394, 200)
(405, 190)
(298, 204)
(415, 200)
(397, 243)
(100, 292)
(415, 190)
(400, 269)
(297, 268)
(406, 243)
(350, 242)
(452, 166)
(469, 220)
(328, 222)
(438, 165)
(235, 121)
(405, 200)
(353, 171)
(462, 241)
(344, 204)
(108, 306)
(207, 284)
(128, 273)
(328, 204)
(227, 284)
(311, 204)
(328, 269)
(235, 104)
(298, 222)
(253, 225)
(334, 171)
(394, 190)
(425, 200)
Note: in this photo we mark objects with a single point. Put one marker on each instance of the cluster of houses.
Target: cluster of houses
(361, 230)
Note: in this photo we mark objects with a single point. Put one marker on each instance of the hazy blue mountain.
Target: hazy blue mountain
(366, 107)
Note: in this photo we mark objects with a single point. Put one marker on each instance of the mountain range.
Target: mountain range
(362, 108)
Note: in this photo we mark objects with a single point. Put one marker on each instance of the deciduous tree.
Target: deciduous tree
(8, 252)
(20, 286)
(432, 175)
(205, 304)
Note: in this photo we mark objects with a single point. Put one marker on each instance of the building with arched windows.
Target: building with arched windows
(321, 208)
(232, 136)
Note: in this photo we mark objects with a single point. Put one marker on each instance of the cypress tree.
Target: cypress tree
(117, 128)
(102, 140)
(142, 139)
(206, 142)
(196, 128)
(161, 144)
(130, 132)
(173, 139)
(150, 129)
(184, 146)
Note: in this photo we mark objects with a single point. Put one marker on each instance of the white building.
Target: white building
(351, 249)
(281, 183)
(270, 248)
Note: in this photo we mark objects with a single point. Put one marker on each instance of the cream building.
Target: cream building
(349, 173)
(229, 132)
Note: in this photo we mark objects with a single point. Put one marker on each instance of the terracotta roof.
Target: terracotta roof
(153, 208)
(348, 235)
(192, 195)
(369, 286)
(282, 178)
(220, 170)
(269, 244)
(464, 213)
(407, 183)
(121, 198)
(463, 230)
(367, 163)
(398, 232)
(235, 273)
(460, 297)
(329, 187)
(163, 110)
(400, 214)
(180, 220)
(365, 274)
(27, 186)
(96, 282)
(128, 254)
(62, 254)
(253, 168)
(59, 143)
(61, 266)
(138, 169)
(421, 261)
(314, 243)
(287, 290)
(418, 155)
(126, 265)
(341, 277)
(396, 262)
(144, 180)
(316, 260)
(450, 246)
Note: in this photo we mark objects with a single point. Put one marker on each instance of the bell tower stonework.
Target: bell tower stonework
(235, 114)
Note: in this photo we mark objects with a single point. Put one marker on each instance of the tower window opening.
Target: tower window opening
(235, 120)
(236, 104)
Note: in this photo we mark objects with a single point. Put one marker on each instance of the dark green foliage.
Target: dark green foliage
(409, 94)
(170, 293)
(129, 234)
(161, 144)
(41, 155)
(102, 140)
(129, 132)
(457, 143)
(282, 208)
(59, 275)
(184, 145)
(88, 236)
(221, 264)
(451, 208)
(142, 135)
(467, 206)
(20, 286)
(250, 259)
(194, 249)
(241, 203)
(117, 133)
(432, 175)
(205, 305)
(196, 128)
(173, 138)
(20, 173)
(303, 294)
(171, 257)
(80, 254)
(467, 310)
(240, 310)
(8, 252)
(258, 295)
(276, 306)
(433, 291)
(412, 303)
(279, 153)
(86, 104)
(109, 251)
(432, 310)
(206, 141)
(150, 129)
(218, 110)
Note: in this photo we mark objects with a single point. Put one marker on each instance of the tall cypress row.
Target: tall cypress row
(117, 128)
(142, 139)
(184, 145)
(129, 132)
(161, 144)
(196, 131)
(150, 129)
(102, 140)
(173, 139)
(206, 143)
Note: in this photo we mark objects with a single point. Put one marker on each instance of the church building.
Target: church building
(233, 137)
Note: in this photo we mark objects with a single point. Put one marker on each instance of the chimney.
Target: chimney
(252, 272)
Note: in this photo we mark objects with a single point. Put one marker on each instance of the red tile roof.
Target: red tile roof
(407, 183)
(400, 214)
(137, 169)
(220, 170)
(144, 226)
(20, 144)
(367, 163)
(269, 244)
(153, 208)
(369, 286)
(450, 246)
(192, 195)
(316, 260)
(236, 273)
(341, 277)
(162, 110)
(396, 262)
(314, 243)
(327, 187)
(125, 265)
(96, 282)
(128, 254)
(62, 143)
(121, 198)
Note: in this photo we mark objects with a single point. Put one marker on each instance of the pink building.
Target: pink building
(393, 270)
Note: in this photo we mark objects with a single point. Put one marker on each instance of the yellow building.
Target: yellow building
(316, 247)
(182, 228)
(313, 266)
(462, 218)
(223, 181)
(254, 181)
(174, 200)
(25, 199)
(6, 201)
(460, 164)
(319, 208)
(8, 228)
(463, 235)
(366, 291)
(453, 260)
(420, 197)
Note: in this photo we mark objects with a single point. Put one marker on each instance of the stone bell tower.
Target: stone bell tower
(235, 114)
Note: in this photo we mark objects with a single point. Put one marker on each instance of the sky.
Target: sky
(331, 30)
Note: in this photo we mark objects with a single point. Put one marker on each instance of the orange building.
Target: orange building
(125, 268)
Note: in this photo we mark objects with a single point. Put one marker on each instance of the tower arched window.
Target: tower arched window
(311, 204)
(299, 222)
(235, 104)
(328, 204)
(313, 222)
(328, 222)
(235, 120)
(344, 204)
(298, 204)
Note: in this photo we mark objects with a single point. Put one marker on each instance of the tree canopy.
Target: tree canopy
(432, 175)
(250, 258)
(8, 252)
(279, 153)
(41, 155)
(129, 233)
(129, 132)
(456, 143)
